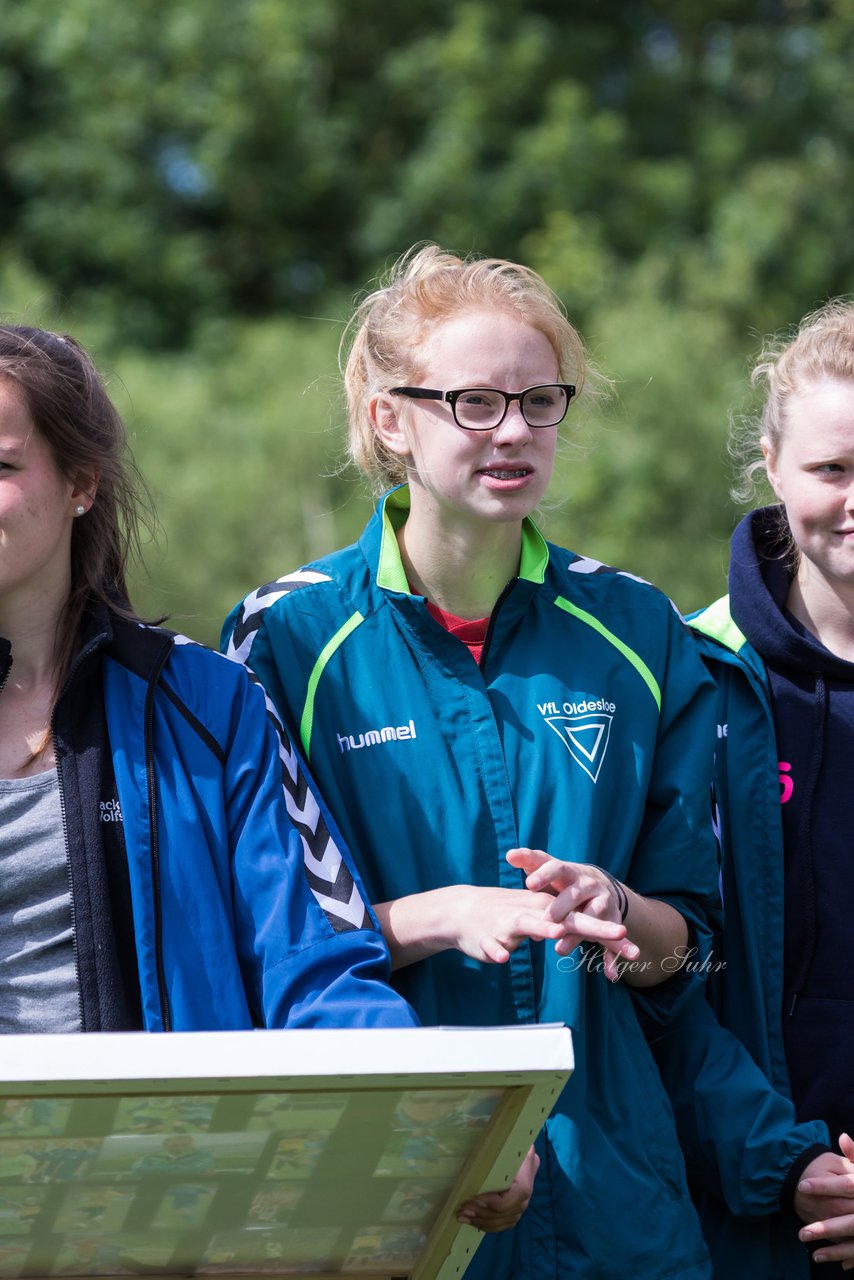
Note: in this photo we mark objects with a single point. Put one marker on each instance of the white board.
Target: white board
(267, 1153)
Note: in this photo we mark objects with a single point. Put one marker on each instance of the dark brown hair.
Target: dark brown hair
(69, 406)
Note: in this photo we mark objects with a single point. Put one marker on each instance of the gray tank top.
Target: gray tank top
(38, 973)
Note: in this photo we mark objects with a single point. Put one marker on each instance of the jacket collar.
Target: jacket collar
(139, 647)
(721, 639)
(379, 543)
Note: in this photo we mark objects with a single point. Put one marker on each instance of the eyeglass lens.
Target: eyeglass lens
(481, 408)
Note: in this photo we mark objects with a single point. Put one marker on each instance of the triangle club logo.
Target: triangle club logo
(585, 738)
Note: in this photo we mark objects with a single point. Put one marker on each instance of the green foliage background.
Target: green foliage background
(196, 190)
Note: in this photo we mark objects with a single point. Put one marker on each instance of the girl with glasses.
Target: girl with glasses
(515, 740)
(153, 875)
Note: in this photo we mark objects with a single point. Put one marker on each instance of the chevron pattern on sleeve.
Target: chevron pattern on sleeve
(329, 877)
(251, 612)
(326, 870)
(585, 564)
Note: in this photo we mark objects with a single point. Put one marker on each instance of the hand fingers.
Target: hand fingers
(608, 933)
(546, 874)
(838, 1233)
(554, 875)
(487, 1202)
(496, 948)
(488, 1208)
(494, 952)
(527, 860)
(488, 1224)
(590, 925)
(575, 885)
(498, 1210)
(585, 896)
(493, 1211)
(530, 925)
(540, 901)
(835, 1253)
(622, 952)
(822, 1208)
(834, 1185)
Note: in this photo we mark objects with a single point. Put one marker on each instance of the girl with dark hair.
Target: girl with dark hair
(154, 822)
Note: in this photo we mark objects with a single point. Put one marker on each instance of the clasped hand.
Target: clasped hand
(584, 900)
(824, 1200)
(567, 902)
(498, 1210)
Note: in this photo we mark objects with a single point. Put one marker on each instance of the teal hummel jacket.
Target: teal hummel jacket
(585, 731)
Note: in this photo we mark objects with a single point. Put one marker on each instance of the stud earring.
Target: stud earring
(80, 511)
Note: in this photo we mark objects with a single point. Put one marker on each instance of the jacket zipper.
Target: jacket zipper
(75, 666)
(487, 643)
(70, 898)
(165, 1015)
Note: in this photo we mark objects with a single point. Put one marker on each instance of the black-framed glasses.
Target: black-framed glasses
(485, 408)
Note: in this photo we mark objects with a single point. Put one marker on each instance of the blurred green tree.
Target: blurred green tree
(191, 187)
(218, 157)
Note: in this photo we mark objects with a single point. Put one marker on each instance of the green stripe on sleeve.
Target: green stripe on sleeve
(629, 654)
(306, 723)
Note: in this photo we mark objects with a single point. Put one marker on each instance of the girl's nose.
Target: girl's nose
(512, 427)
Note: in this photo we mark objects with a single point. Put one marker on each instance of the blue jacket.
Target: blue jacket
(584, 731)
(723, 1062)
(199, 853)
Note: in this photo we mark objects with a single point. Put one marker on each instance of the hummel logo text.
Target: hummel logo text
(373, 737)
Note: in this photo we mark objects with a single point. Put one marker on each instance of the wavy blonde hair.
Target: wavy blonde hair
(425, 287)
(822, 346)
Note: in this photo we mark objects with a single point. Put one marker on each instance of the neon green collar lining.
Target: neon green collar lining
(533, 560)
(716, 621)
(391, 574)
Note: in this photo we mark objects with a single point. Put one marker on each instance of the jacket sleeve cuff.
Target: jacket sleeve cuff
(793, 1177)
